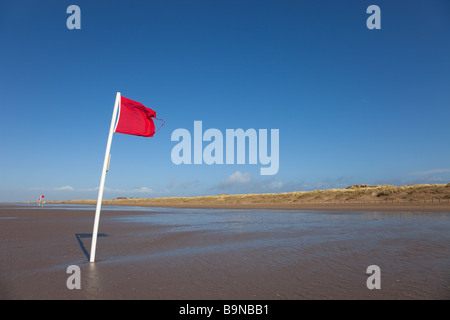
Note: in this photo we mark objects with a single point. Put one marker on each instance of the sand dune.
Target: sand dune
(379, 197)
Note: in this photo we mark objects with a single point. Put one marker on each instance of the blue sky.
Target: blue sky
(352, 105)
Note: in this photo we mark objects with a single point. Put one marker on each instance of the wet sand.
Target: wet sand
(224, 254)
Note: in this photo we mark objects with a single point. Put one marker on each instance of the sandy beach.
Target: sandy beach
(168, 253)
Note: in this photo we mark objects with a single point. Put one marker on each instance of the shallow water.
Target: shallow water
(326, 252)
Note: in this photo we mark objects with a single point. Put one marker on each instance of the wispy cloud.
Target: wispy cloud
(173, 187)
(427, 172)
(67, 188)
(236, 179)
(95, 189)
(124, 191)
(142, 190)
(244, 182)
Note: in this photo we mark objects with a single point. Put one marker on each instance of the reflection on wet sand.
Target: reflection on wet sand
(226, 254)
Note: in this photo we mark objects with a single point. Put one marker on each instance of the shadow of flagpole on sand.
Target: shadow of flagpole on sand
(81, 236)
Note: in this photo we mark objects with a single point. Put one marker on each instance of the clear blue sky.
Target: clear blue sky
(352, 105)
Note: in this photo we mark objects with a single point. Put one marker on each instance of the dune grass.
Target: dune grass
(361, 193)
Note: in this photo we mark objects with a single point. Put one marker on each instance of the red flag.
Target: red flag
(136, 119)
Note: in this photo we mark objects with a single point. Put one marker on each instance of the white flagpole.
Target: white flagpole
(102, 180)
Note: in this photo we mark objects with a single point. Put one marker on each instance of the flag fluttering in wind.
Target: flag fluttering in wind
(134, 119)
